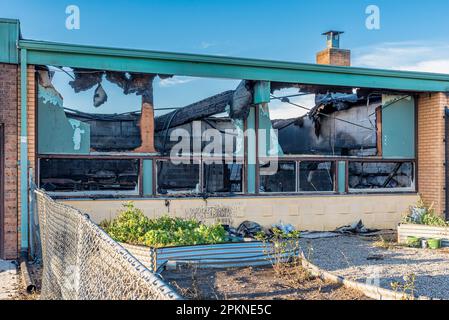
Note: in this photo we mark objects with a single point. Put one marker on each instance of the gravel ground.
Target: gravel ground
(357, 258)
(9, 280)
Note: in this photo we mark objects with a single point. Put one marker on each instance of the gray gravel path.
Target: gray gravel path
(358, 259)
(9, 280)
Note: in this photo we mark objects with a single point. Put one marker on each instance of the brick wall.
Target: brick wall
(8, 117)
(333, 56)
(431, 149)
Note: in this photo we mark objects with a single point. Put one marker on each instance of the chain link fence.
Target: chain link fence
(81, 262)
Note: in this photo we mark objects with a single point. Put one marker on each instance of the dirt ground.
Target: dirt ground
(36, 276)
(256, 283)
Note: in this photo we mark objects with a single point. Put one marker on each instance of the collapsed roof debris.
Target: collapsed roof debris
(241, 100)
(334, 102)
(339, 124)
(198, 110)
(138, 83)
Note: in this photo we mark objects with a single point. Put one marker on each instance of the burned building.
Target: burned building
(315, 145)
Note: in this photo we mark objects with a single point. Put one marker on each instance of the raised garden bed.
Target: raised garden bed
(225, 255)
(423, 232)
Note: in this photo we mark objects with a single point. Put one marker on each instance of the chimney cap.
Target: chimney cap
(333, 38)
(332, 32)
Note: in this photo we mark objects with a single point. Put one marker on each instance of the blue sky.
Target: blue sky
(413, 34)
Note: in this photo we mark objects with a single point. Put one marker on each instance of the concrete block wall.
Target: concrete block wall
(318, 213)
(431, 149)
(8, 117)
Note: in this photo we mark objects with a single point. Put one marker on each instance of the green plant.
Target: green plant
(407, 288)
(422, 214)
(133, 227)
(431, 219)
(278, 246)
(130, 226)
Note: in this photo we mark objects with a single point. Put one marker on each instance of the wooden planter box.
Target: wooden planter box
(423, 231)
(226, 255)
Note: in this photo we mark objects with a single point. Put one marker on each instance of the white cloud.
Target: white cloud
(174, 81)
(206, 45)
(425, 56)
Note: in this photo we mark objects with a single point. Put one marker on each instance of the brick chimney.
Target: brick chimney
(333, 55)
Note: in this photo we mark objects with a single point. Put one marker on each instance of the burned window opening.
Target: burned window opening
(338, 122)
(105, 86)
(89, 175)
(381, 175)
(223, 178)
(177, 178)
(282, 181)
(316, 176)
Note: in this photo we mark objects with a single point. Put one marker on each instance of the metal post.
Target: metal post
(23, 154)
(446, 165)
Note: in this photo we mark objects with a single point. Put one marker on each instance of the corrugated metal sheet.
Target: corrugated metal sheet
(213, 256)
(421, 231)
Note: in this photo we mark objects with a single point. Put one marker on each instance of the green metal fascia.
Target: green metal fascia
(48, 53)
(9, 37)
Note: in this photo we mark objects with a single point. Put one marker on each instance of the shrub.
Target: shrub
(421, 214)
(133, 227)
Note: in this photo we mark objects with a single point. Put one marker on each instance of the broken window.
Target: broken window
(283, 179)
(223, 177)
(316, 176)
(381, 175)
(94, 111)
(89, 176)
(324, 121)
(177, 178)
(194, 113)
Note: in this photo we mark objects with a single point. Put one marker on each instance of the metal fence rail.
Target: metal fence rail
(81, 262)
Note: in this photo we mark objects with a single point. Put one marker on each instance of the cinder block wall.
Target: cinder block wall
(318, 213)
(8, 117)
(431, 149)
(31, 117)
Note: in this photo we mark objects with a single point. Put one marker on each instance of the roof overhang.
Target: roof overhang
(81, 56)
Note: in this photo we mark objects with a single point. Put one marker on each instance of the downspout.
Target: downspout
(23, 154)
(446, 162)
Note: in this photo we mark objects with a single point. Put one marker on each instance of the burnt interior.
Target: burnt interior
(385, 175)
(177, 178)
(284, 180)
(343, 122)
(223, 178)
(64, 175)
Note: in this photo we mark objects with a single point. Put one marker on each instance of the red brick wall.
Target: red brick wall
(431, 149)
(333, 56)
(8, 117)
